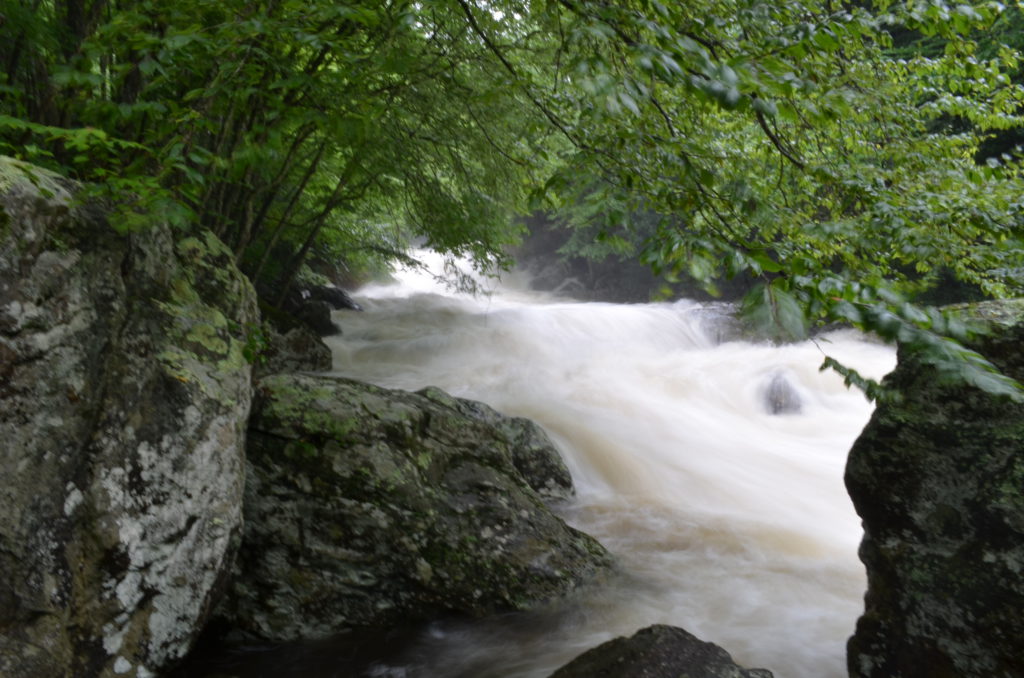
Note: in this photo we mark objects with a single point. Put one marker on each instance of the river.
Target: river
(726, 519)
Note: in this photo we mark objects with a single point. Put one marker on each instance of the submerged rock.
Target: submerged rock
(657, 652)
(372, 507)
(780, 397)
(123, 402)
(938, 479)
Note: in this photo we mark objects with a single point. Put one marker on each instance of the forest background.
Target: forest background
(846, 155)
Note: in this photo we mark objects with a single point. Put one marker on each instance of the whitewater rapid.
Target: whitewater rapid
(727, 520)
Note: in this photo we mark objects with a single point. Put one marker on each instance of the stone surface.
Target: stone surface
(938, 479)
(299, 349)
(533, 454)
(310, 305)
(780, 397)
(317, 316)
(122, 414)
(335, 296)
(657, 652)
(371, 507)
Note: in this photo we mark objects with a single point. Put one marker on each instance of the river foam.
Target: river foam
(727, 520)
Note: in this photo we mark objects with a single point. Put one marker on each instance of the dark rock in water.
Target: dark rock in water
(123, 404)
(335, 296)
(297, 350)
(372, 507)
(310, 307)
(317, 316)
(657, 652)
(780, 397)
(938, 479)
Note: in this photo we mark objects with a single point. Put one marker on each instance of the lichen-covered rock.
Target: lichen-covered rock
(657, 651)
(371, 507)
(938, 479)
(123, 401)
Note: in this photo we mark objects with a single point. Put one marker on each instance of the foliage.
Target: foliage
(794, 141)
(785, 140)
(337, 124)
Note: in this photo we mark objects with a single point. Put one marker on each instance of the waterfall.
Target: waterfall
(711, 469)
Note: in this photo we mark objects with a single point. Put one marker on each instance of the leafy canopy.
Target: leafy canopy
(809, 143)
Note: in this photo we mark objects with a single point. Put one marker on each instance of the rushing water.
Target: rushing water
(726, 519)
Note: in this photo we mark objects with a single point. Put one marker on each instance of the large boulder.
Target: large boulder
(938, 478)
(657, 651)
(371, 507)
(124, 393)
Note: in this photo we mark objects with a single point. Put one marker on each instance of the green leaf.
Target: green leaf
(765, 106)
(774, 313)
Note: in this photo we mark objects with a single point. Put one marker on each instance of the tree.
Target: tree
(780, 139)
(271, 122)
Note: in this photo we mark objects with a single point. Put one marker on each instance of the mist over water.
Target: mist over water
(725, 519)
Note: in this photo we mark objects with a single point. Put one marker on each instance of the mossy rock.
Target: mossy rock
(123, 400)
(938, 478)
(371, 507)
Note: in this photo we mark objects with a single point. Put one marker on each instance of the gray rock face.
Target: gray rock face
(371, 507)
(657, 652)
(938, 479)
(123, 400)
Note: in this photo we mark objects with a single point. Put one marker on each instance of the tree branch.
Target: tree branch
(776, 141)
(552, 118)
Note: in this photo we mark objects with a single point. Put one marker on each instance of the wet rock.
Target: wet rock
(338, 298)
(657, 652)
(371, 507)
(938, 479)
(533, 454)
(122, 415)
(317, 316)
(297, 350)
(309, 306)
(780, 397)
